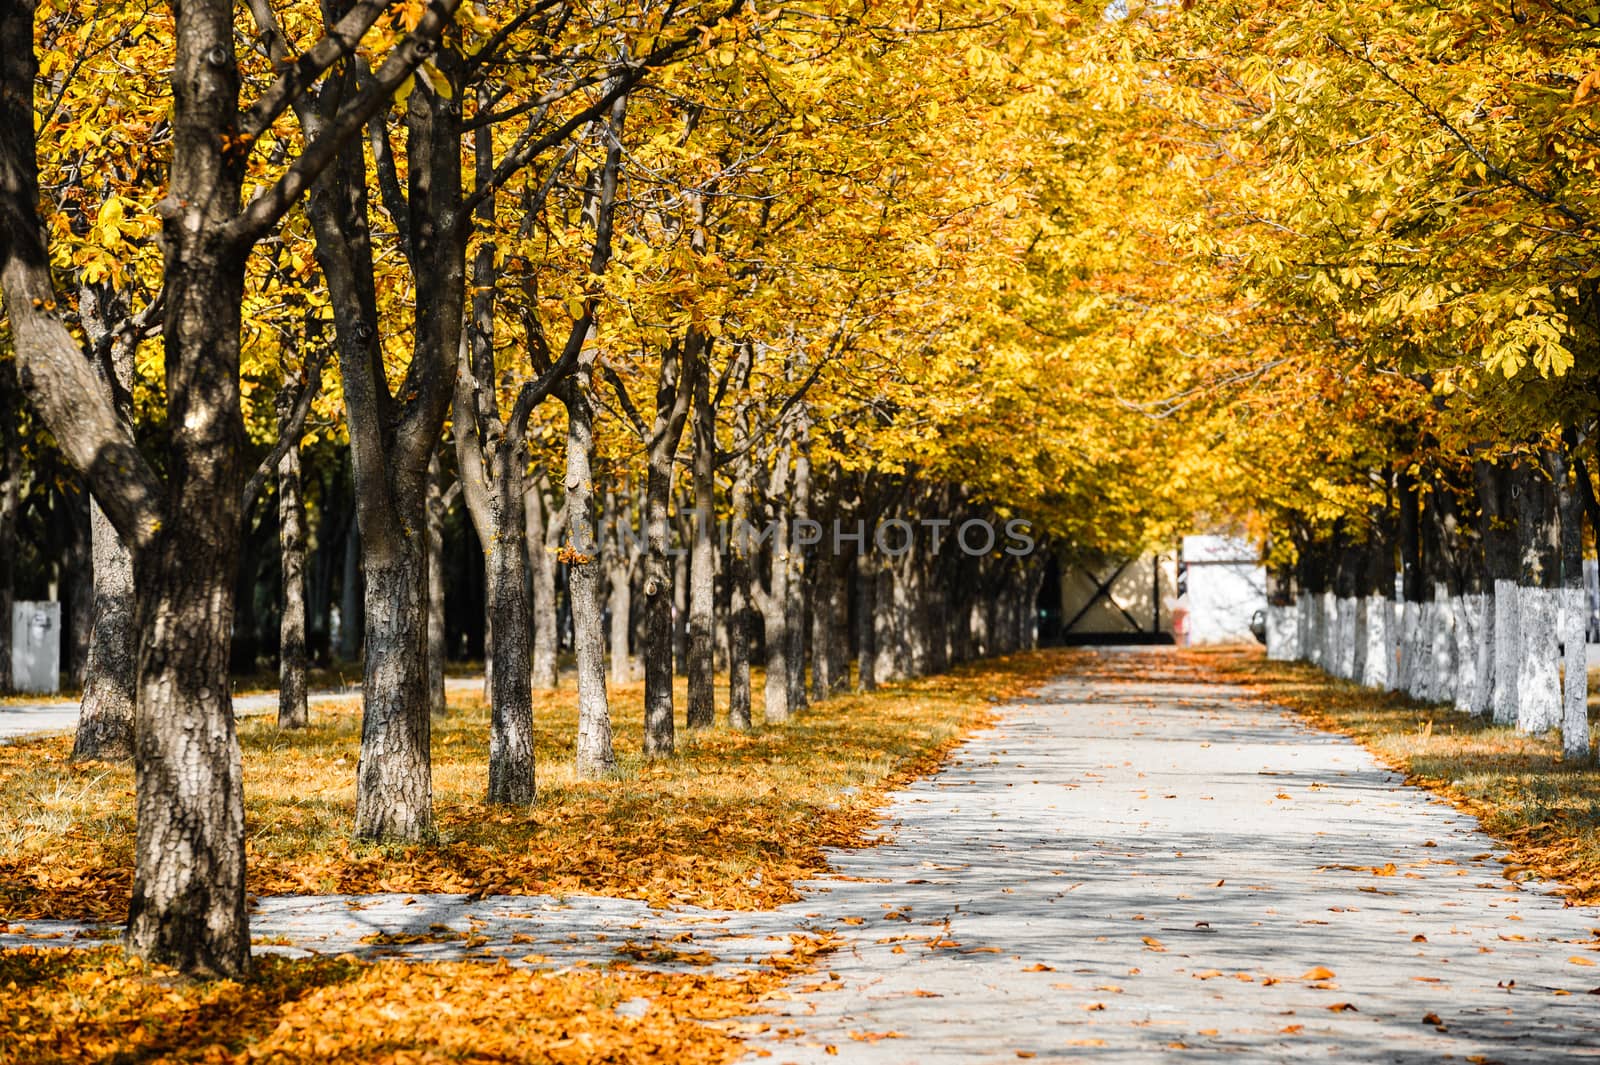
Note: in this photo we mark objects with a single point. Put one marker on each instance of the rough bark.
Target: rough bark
(1539, 547)
(492, 456)
(595, 756)
(436, 623)
(545, 525)
(701, 709)
(11, 480)
(772, 598)
(1412, 584)
(866, 630)
(741, 566)
(1575, 747)
(740, 609)
(293, 709)
(391, 442)
(830, 668)
(352, 614)
(1377, 603)
(110, 684)
(677, 364)
(795, 584)
(1498, 524)
(76, 569)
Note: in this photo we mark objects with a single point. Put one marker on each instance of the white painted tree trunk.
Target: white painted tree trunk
(1442, 675)
(1413, 647)
(1358, 638)
(1377, 666)
(1482, 703)
(1302, 627)
(1310, 648)
(1538, 674)
(1283, 632)
(1503, 706)
(1344, 657)
(1468, 611)
(1329, 626)
(1575, 679)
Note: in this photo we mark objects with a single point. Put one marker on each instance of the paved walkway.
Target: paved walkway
(51, 714)
(1132, 867)
(1137, 867)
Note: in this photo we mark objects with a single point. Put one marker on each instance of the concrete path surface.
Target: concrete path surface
(1134, 866)
(50, 714)
(1138, 867)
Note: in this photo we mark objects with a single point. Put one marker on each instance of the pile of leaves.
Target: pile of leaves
(730, 822)
(72, 1006)
(1545, 811)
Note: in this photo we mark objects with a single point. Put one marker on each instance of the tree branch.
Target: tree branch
(264, 210)
(339, 43)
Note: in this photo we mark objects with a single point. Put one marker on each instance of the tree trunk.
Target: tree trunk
(351, 597)
(619, 604)
(1378, 665)
(511, 768)
(701, 710)
(293, 711)
(680, 602)
(674, 385)
(105, 716)
(1499, 640)
(188, 900)
(111, 679)
(392, 442)
(774, 604)
(1539, 543)
(1440, 671)
(795, 582)
(492, 457)
(656, 636)
(543, 536)
(436, 622)
(866, 629)
(10, 504)
(829, 626)
(1575, 748)
(595, 756)
(740, 611)
(1412, 582)
(77, 586)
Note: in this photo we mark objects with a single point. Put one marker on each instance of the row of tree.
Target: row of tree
(583, 268)
(1331, 270)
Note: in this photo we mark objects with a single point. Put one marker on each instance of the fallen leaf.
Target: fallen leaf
(1321, 972)
(1153, 943)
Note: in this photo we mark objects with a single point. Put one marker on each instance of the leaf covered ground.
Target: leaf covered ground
(1546, 811)
(98, 1005)
(730, 822)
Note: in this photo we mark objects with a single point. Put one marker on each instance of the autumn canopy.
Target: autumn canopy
(648, 334)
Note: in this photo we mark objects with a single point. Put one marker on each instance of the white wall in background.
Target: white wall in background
(36, 647)
(1226, 586)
